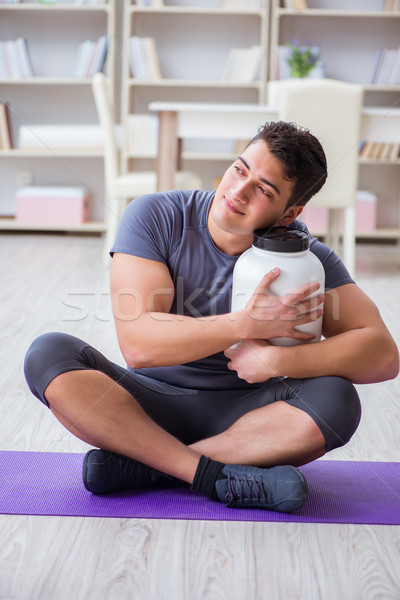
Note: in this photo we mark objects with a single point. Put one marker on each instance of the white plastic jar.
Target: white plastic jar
(287, 249)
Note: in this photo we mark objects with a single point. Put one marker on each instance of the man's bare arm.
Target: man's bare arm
(358, 346)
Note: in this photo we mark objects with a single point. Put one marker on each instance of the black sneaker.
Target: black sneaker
(282, 488)
(105, 472)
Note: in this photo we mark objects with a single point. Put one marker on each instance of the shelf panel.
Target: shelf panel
(47, 81)
(197, 10)
(30, 6)
(227, 156)
(191, 155)
(381, 111)
(384, 233)
(378, 162)
(326, 12)
(10, 224)
(52, 153)
(376, 87)
(165, 82)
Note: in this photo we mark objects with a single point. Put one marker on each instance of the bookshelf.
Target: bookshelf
(349, 37)
(350, 34)
(194, 40)
(58, 97)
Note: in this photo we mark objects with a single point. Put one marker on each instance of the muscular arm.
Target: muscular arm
(358, 346)
(142, 293)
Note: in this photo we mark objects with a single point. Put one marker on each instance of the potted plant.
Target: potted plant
(302, 59)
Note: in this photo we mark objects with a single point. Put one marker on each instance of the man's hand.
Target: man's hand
(270, 316)
(254, 360)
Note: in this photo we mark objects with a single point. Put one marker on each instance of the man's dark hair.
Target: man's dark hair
(301, 155)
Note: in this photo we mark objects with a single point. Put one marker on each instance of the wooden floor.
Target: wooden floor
(58, 283)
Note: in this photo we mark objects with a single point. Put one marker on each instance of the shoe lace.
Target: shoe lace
(245, 487)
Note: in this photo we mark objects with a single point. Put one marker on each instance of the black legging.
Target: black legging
(191, 415)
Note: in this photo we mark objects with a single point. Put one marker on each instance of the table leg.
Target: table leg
(167, 150)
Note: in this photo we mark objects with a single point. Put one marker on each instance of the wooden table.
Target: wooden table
(180, 120)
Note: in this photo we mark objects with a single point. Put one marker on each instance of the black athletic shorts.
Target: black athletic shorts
(192, 415)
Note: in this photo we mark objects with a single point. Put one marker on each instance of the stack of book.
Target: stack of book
(143, 58)
(5, 130)
(243, 64)
(380, 150)
(387, 67)
(15, 62)
(90, 57)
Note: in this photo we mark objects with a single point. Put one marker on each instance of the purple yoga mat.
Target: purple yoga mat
(42, 483)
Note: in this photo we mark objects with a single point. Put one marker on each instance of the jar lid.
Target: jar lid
(281, 239)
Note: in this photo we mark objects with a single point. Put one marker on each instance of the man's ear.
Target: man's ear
(290, 215)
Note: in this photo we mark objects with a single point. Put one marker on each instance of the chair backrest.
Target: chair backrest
(331, 110)
(104, 106)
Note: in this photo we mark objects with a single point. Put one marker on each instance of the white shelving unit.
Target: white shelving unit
(193, 40)
(54, 97)
(349, 35)
(193, 44)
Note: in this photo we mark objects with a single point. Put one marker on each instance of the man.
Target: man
(233, 420)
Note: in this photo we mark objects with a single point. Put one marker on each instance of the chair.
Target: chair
(119, 187)
(331, 110)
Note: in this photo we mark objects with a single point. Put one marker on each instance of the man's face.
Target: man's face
(252, 195)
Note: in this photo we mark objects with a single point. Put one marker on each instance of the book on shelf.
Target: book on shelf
(23, 58)
(386, 70)
(284, 52)
(15, 62)
(377, 150)
(5, 129)
(386, 151)
(395, 153)
(90, 57)
(98, 56)
(143, 58)
(243, 64)
(3, 64)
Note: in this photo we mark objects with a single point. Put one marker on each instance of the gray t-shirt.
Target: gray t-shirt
(171, 227)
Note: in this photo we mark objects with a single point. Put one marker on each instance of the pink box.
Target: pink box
(52, 205)
(316, 217)
(366, 211)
